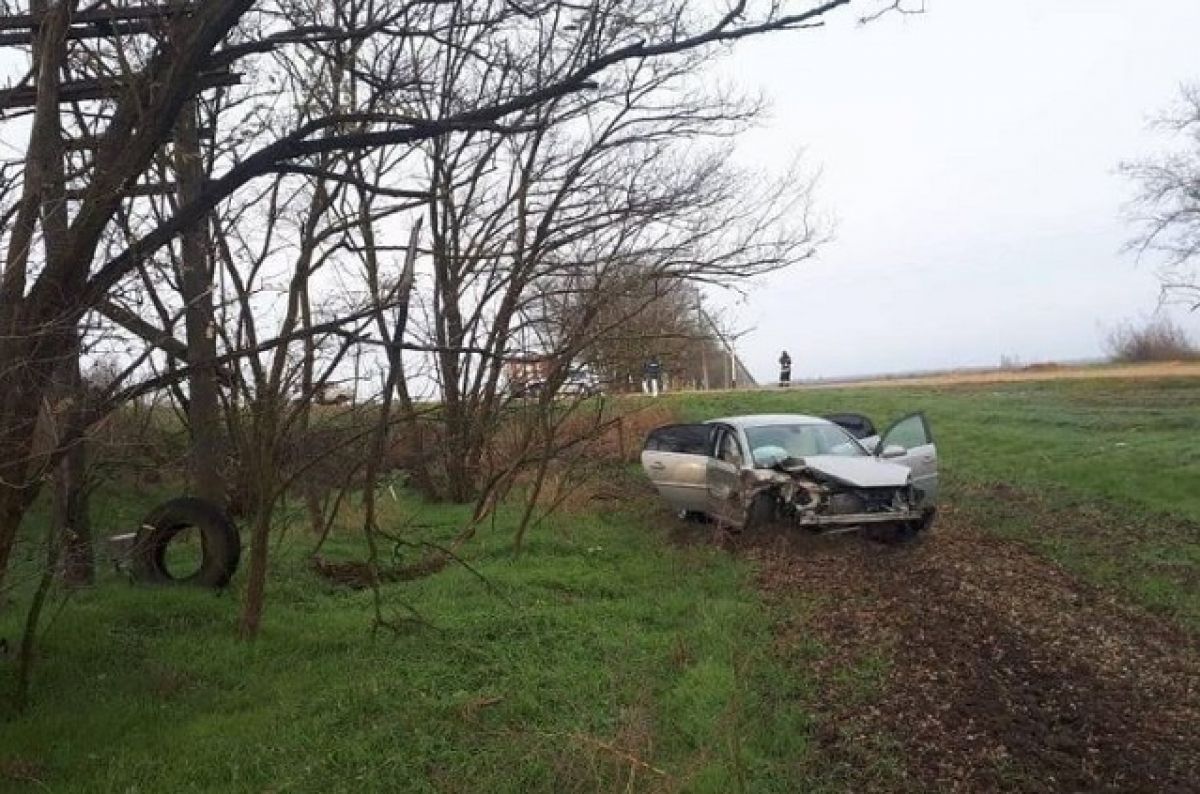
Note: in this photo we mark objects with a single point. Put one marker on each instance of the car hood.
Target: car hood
(862, 472)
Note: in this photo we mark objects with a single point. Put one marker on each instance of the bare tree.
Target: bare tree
(57, 265)
(1167, 205)
(588, 211)
(675, 328)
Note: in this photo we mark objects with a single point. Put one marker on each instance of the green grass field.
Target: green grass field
(603, 657)
(600, 644)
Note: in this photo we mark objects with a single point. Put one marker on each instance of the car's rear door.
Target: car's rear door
(920, 453)
(675, 458)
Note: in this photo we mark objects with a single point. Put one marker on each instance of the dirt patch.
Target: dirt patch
(359, 575)
(1000, 671)
(1124, 548)
(22, 770)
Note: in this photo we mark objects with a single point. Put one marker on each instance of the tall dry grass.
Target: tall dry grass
(1160, 339)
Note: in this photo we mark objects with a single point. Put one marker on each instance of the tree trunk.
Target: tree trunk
(12, 509)
(256, 578)
(30, 350)
(71, 503)
(204, 410)
(19, 480)
(260, 458)
(71, 508)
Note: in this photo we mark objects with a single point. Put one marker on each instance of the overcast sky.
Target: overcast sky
(970, 157)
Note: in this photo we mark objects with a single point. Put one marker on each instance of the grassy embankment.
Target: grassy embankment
(609, 658)
(605, 658)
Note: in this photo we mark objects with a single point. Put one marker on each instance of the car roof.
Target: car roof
(761, 420)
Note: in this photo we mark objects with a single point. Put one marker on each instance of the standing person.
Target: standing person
(785, 370)
(652, 376)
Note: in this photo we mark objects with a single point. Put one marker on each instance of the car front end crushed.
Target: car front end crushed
(812, 499)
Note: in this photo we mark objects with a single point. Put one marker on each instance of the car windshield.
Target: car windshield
(771, 444)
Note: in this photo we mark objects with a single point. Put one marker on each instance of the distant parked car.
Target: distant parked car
(743, 471)
(583, 383)
(578, 383)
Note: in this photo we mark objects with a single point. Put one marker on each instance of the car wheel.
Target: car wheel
(762, 511)
(911, 530)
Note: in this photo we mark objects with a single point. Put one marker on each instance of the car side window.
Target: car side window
(909, 432)
(684, 439)
(728, 448)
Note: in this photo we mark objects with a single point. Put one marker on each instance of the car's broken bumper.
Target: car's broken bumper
(854, 519)
(817, 502)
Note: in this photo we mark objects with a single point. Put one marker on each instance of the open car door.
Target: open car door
(909, 441)
(675, 458)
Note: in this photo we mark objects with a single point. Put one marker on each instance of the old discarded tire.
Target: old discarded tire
(219, 542)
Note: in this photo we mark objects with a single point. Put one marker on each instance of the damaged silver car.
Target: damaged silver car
(824, 474)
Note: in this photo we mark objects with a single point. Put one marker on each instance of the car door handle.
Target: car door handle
(928, 458)
(658, 466)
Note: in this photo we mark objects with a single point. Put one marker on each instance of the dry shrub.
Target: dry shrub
(331, 450)
(620, 441)
(564, 491)
(1160, 339)
(583, 474)
(613, 436)
(573, 487)
(412, 446)
(585, 437)
(139, 444)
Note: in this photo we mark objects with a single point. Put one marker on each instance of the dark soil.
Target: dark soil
(1001, 672)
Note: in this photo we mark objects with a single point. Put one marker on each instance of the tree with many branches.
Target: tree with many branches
(63, 259)
(1167, 204)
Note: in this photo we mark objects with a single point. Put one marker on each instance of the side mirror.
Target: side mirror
(871, 443)
(893, 451)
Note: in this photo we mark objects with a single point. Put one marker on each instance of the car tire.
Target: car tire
(911, 530)
(761, 513)
(219, 539)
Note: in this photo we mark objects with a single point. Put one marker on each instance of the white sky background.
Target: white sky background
(970, 158)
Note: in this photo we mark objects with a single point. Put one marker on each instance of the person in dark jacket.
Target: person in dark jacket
(652, 376)
(785, 370)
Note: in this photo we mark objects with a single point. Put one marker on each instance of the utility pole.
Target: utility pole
(725, 342)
